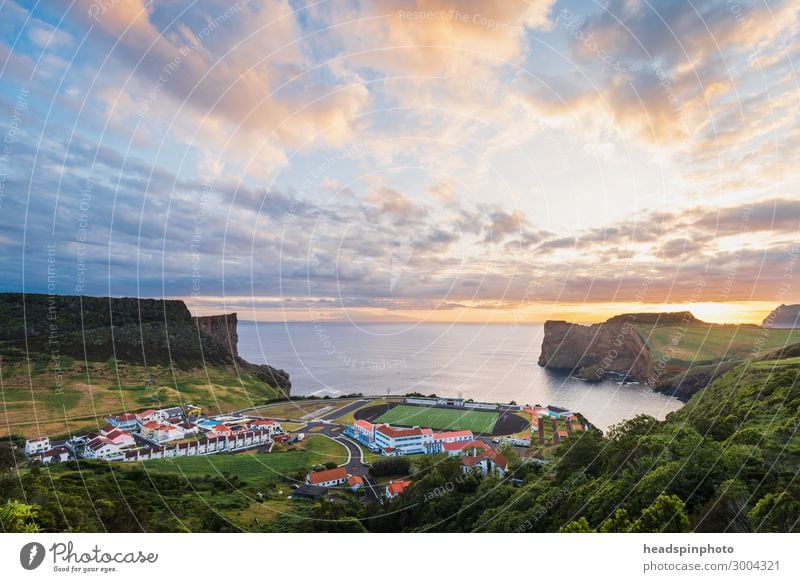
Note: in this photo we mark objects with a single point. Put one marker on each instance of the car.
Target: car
(294, 486)
(495, 440)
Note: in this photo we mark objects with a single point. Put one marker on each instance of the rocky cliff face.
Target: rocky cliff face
(221, 331)
(146, 332)
(783, 317)
(592, 352)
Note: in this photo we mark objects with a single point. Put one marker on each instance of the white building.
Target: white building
(117, 436)
(403, 441)
(37, 446)
(395, 488)
(101, 448)
(55, 455)
(444, 438)
(329, 478)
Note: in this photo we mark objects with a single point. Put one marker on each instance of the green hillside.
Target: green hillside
(701, 343)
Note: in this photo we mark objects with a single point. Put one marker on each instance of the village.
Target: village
(185, 431)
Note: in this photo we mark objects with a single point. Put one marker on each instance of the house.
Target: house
(487, 462)
(265, 424)
(125, 421)
(462, 447)
(160, 432)
(101, 448)
(37, 446)
(395, 488)
(121, 438)
(117, 436)
(440, 439)
(220, 429)
(328, 478)
(309, 492)
(403, 441)
(355, 482)
(188, 428)
(150, 416)
(55, 455)
(191, 412)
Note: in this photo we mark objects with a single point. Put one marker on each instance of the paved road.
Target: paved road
(355, 464)
(345, 410)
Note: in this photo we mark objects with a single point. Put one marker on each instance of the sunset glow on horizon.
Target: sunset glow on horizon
(411, 161)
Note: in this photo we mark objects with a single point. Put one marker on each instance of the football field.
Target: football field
(441, 418)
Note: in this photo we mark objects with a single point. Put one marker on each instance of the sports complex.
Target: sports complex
(485, 422)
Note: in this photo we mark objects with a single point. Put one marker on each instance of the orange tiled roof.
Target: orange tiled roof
(329, 475)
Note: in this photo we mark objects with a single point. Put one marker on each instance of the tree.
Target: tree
(776, 512)
(579, 452)
(617, 523)
(577, 526)
(10, 459)
(18, 517)
(667, 514)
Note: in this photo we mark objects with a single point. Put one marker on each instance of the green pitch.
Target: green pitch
(441, 418)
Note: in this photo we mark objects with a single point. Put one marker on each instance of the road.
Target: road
(355, 461)
(344, 410)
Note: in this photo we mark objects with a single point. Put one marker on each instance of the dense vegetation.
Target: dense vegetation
(727, 461)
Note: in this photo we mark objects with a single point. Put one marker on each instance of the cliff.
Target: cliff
(783, 317)
(219, 332)
(144, 332)
(592, 352)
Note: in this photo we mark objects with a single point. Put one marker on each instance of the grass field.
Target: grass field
(440, 418)
(269, 467)
(31, 405)
(702, 343)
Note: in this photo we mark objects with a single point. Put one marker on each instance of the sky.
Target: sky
(425, 160)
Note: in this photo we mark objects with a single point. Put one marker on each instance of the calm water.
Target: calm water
(484, 362)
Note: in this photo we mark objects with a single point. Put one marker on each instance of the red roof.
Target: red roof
(397, 487)
(152, 424)
(365, 424)
(126, 417)
(493, 456)
(98, 443)
(460, 446)
(57, 451)
(354, 480)
(117, 433)
(145, 413)
(330, 475)
(393, 432)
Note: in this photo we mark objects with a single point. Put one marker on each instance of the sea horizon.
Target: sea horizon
(493, 364)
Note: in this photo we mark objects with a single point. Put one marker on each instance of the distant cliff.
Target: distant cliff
(783, 317)
(591, 352)
(146, 332)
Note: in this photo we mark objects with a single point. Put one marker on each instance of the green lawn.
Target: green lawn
(441, 418)
(701, 343)
(270, 466)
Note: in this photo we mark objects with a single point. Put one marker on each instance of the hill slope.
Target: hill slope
(68, 360)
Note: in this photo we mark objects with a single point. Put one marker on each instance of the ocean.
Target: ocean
(495, 363)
